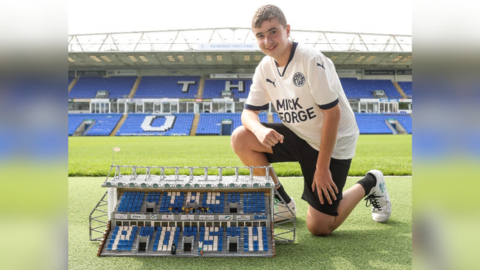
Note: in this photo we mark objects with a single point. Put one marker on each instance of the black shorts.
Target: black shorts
(294, 148)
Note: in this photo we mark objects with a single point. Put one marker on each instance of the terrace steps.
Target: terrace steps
(200, 87)
(270, 118)
(119, 125)
(135, 87)
(399, 89)
(72, 84)
(193, 131)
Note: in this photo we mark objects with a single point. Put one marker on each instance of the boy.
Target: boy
(318, 127)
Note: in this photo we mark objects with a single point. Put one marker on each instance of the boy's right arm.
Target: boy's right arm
(266, 136)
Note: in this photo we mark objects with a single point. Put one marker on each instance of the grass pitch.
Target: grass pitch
(360, 243)
(92, 156)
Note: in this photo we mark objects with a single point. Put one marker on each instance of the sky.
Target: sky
(368, 16)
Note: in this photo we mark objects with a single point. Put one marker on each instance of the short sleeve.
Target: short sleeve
(258, 98)
(323, 81)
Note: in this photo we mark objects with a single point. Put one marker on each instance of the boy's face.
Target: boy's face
(272, 38)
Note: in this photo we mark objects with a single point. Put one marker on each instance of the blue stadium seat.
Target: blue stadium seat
(210, 123)
(213, 88)
(167, 87)
(103, 123)
(407, 88)
(355, 88)
(87, 87)
(370, 123)
(181, 125)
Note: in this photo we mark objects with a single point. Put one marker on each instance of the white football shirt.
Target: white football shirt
(307, 83)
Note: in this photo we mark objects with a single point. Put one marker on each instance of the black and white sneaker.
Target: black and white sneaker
(281, 212)
(379, 199)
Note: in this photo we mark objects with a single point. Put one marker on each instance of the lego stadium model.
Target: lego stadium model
(202, 213)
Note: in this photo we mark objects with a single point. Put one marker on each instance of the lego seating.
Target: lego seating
(122, 238)
(172, 202)
(157, 125)
(255, 239)
(87, 87)
(355, 88)
(131, 202)
(214, 201)
(210, 123)
(407, 88)
(253, 202)
(168, 87)
(213, 88)
(165, 237)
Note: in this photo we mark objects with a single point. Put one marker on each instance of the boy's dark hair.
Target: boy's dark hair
(266, 13)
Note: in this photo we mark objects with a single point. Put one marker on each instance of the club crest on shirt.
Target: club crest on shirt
(299, 79)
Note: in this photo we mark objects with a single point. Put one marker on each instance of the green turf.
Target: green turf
(92, 156)
(359, 243)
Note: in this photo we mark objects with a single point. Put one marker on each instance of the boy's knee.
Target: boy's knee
(319, 230)
(238, 138)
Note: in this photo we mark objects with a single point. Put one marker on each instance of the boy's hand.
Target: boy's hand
(268, 137)
(322, 181)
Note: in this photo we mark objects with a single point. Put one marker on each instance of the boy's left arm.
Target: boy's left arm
(322, 180)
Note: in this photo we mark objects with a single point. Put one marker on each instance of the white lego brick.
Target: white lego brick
(210, 237)
(178, 193)
(164, 248)
(255, 238)
(169, 193)
(216, 229)
(250, 247)
(260, 247)
(114, 246)
(122, 237)
(217, 201)
(214, 247)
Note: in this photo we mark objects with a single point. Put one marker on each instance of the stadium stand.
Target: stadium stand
(276, 119)
(214, 88)
(168, 87)
(103, 124)
(369, 123)
(177, 124)
(405, 120)
(407, 88)
(373, 123)
(87, 87)
(210, 123)
(355, 88)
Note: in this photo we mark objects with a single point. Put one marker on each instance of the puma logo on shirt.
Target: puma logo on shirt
(268, 80)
